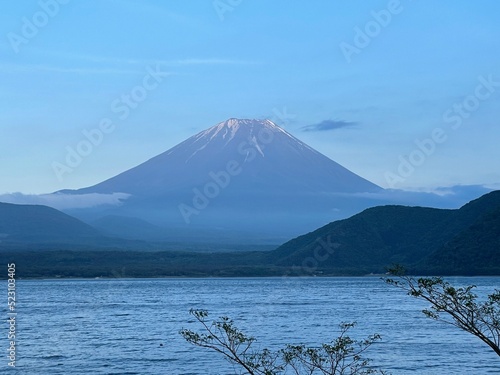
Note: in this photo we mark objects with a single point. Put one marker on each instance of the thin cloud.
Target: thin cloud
(34, 68)
(209, 62)
(145, 61)
(440, 197)
(110, 65)
(328, 125)
(62, 201)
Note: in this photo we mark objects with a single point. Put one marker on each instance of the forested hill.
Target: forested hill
(38, 224)
(424, 239)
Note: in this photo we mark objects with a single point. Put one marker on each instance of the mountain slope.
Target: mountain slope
(474, 249)
(266, 154)
(37, 224)
(129, 228)
(381, 236)
(237, 176)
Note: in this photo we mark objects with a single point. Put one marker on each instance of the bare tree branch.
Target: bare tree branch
(456, 306)
(343, 356)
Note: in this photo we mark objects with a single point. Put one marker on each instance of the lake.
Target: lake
(117, 326)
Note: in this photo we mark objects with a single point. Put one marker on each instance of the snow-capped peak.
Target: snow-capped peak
(232, 125)
(244, 130)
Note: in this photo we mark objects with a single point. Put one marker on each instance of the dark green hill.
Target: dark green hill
(41, 224)
(476, 250)
(380, 236)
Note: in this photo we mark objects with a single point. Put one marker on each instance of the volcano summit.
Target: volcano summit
(239, 177)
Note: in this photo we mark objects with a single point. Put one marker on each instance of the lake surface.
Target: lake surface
(116, 326)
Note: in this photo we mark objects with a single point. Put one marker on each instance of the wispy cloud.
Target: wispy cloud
(38, 68)
(210, 61)
(90, 64)
(66, 201)
(133, 67)
(439, 197)
(128, 60)
(327, 125)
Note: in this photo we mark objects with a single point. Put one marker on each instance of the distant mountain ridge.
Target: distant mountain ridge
(38, 227)
(36, 224)
(463, 241)
(426, 240)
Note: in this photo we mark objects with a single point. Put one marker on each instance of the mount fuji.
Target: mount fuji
(240, 179)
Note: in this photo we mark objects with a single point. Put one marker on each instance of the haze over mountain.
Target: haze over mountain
(42, 224)
(428, 240)
(425, 240)
(239, 178)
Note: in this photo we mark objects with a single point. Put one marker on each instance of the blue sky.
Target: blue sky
(364, 82)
